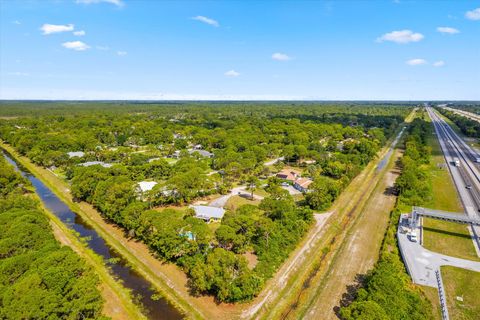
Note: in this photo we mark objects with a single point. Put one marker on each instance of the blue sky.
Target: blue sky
(321, 50)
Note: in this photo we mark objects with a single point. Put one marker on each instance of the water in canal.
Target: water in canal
(138, 285)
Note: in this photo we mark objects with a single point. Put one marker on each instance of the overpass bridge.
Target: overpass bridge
(418, 212)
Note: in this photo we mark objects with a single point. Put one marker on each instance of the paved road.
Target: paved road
(422, 263)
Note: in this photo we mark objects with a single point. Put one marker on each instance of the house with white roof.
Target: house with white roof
(208, 213)
(78, 154)
(145, 186)
(93, 163)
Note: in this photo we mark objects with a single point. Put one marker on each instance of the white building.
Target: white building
(145, 186)
(78, 154)
(208, 213)
(93, 163)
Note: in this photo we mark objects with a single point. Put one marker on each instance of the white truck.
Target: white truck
(413, 236)
(456, 162)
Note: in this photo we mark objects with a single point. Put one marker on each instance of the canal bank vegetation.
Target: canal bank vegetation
(39, 278)
(387, 292)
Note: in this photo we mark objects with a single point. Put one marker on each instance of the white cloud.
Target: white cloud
(207, 20)
(401, 36)
(232, 73)
(16, 22)
(76, 45)
(439, 63)
(416, 62)
(118, 3)
(280, 56)
(79, 33)
(448, 30)
(473, 15)
(56, 28)
(122, 53)
(103, 48)
(18, 74)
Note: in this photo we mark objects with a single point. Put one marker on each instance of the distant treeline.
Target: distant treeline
(25, 108)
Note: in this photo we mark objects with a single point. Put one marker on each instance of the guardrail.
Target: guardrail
(442, 296)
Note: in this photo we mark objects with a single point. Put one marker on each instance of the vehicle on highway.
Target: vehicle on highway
(413, 237)
(477, 159)
(456, 162)
(468, 186)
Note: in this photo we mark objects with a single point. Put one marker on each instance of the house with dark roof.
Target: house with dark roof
(290, 175)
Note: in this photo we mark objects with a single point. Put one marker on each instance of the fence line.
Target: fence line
(441, 294)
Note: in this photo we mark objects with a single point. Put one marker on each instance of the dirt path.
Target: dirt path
(360, 251)
(299, 257)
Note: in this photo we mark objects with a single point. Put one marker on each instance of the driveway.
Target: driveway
(237, 191)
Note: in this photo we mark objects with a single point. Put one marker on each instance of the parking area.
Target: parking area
(422, 263)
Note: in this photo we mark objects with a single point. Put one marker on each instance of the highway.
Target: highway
(468, 173)
(464, 113)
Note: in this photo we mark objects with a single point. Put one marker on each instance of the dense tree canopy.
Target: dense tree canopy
(192, 150)
(39, 279)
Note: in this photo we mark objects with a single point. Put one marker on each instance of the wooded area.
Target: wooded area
(39, 278)
(165, 143)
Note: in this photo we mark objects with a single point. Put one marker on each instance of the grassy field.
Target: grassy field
(464, 284)
(236, 201)
(449, 238)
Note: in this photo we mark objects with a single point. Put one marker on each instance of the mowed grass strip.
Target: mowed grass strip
(463, 284)
(449, 238)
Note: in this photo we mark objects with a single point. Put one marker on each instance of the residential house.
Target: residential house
(144, 186)
(208, 213)
(302, 184)
(78, 154)
(290, 175)
(93, 163)
(203, 153)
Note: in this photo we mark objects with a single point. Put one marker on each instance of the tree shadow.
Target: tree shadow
(390, 191)
(351, 293)
(448, 233)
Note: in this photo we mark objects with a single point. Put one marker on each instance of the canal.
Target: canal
(140, 288)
